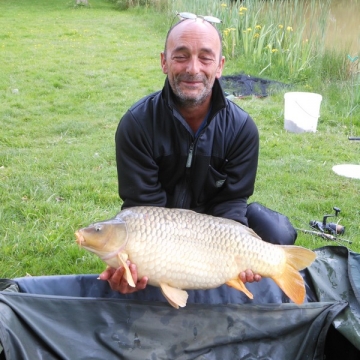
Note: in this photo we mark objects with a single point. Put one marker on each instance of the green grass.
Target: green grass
(67, 76)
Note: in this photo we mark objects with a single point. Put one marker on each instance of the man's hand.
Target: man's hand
(118, 282)
(249, 276)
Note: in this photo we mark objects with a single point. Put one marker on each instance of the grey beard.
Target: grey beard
(186, 101)
(190, 102)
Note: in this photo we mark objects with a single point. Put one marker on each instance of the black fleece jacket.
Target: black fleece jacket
(160, 162)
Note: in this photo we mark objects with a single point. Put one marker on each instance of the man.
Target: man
(187, 146)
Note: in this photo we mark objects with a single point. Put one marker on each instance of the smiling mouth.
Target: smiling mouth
(191, 79)
(191, 84)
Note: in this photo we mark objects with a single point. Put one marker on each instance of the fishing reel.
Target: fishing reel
(329, 228)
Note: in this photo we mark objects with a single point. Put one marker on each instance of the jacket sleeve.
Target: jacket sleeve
(137, 171)
(240, 169)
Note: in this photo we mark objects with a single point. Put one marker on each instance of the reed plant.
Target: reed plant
(269, 36)
(159, 5)
(354, 87)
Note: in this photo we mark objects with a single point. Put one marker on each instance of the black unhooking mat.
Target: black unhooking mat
(243, 85)
(79, 317)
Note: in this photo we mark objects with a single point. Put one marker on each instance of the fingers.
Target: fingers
(257, 277)
(118, 282)
(141, 285)
(249, 276)
(107, 273)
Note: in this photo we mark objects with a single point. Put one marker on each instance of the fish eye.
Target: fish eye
(97, 228)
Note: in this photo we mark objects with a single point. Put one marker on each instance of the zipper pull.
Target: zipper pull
(190, 155)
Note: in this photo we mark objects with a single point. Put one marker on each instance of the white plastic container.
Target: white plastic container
(302, 111)
(347, 170)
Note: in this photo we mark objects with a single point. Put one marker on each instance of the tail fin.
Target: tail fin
(290, 281)
(299, 257)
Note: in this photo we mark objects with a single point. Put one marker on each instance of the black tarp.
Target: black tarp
(79, 317)
(243, 85)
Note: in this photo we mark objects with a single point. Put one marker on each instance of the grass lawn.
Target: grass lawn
(67, 76)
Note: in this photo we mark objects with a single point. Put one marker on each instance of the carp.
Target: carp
(180, 249)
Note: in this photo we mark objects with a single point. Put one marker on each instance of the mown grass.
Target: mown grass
(67, 76)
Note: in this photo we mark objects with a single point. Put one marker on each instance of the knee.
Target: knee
(270, 225)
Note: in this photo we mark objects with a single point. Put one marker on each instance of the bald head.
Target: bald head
(195, 26)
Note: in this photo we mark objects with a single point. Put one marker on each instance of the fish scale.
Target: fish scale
(188, 248)
(180, 249)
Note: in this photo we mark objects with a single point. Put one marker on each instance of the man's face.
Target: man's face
(192, 61)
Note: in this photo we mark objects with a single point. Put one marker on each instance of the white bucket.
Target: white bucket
(302, 111)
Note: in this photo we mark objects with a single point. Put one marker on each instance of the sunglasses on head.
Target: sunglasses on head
(187, 15)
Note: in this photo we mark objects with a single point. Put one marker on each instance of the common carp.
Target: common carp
(180, 249)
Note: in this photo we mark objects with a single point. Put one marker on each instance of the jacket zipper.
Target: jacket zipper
(190, 156)
(187, 175)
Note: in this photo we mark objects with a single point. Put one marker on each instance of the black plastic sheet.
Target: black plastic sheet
(336, 277)
(243, 85)
(80, 317)
(55, 327)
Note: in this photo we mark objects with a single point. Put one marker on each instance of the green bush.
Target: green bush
(126, 4)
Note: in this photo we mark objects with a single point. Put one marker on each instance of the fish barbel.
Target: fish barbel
(180, 249)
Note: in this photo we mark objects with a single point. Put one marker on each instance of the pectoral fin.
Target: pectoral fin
(176, 297)
(127, 275)
(239, 285)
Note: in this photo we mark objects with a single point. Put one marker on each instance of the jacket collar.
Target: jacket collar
(218, 100)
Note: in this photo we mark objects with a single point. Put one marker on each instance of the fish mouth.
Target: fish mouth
(79, 238)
